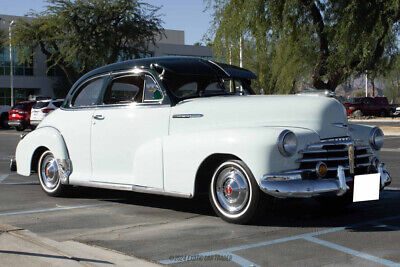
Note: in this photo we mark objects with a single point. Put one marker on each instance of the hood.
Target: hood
(323, 115)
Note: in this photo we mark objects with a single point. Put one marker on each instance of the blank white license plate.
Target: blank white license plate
(13, 115)
(366, 187)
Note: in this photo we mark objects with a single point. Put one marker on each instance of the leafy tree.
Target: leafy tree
(392, 82)
(323, 41)
(80, 35)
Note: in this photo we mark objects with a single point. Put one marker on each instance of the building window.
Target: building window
(20, 94)
(19, 69)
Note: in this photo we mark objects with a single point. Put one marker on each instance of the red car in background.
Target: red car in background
(369, 106)
(20, 115)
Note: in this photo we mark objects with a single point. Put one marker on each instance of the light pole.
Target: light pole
(11, 63)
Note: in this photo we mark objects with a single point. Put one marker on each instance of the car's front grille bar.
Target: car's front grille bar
(334, 153)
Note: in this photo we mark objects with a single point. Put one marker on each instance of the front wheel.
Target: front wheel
(20, 128)
(48, 175)
(234, 193)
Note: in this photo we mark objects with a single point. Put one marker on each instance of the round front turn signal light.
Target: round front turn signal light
(321, 169)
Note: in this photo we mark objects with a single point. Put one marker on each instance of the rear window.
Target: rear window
(41, 104)
(18, 106)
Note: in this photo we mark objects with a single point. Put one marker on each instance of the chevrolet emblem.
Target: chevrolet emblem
(351, 158)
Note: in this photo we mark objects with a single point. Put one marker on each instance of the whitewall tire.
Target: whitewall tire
(48, 175)
(234, 193)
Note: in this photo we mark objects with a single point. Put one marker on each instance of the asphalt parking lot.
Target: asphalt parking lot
(186, 232)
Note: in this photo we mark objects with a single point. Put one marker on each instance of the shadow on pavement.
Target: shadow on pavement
(21, 253)
(306, 213)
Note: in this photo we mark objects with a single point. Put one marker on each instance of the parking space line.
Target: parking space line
(280, 240)
(55, 209)
(242, 261)
(351, 251)
(3, 177)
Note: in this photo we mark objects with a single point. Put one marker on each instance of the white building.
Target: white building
(32, 81)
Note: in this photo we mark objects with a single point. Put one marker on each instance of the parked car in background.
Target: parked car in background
(368, 106)
(42, 108)
(184, 127)
(397, 111)
(20, 114)
(4, 116)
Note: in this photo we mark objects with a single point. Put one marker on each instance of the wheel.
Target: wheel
(383, 113)
(4, 121)
(48, 175)
(33, 127)
(234, 193)
(20, 128)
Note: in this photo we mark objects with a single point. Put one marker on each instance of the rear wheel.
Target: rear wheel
(4, 121)
(383, 113)
(48, 175)
(234, 193)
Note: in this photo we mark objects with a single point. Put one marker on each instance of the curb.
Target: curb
(69, 252)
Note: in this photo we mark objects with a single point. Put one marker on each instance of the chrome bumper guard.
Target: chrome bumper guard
(292, 185)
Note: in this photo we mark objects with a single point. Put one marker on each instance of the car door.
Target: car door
(127, 132)
(74, 121)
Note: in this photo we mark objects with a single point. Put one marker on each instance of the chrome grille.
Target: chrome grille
(334, 152)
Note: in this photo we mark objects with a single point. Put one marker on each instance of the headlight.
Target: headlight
(287, 143)
(376, 138)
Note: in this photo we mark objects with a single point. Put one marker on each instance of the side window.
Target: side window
(151, 91)
(125, 89)
(88, 94)
(57, 103)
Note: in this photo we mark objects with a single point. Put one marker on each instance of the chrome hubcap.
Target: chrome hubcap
(49, 172)
(232, 189)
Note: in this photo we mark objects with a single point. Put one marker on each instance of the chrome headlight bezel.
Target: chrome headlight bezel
(376, 138)
(287, 143)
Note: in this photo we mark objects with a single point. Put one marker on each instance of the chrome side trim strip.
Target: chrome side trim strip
(186, 116)
(128, 187)
(151, 190)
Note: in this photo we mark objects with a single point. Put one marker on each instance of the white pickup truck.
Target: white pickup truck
(4, 116)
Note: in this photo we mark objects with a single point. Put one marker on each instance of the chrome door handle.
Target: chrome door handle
(98, 117)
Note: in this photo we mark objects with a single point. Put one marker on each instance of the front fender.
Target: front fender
(257, 147)
(47, 137)
(362, 132)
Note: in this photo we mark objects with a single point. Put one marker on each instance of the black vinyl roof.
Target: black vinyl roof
(180, 65)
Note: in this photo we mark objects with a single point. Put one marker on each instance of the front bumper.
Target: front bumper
(15, 123)
(291, 185)
(35, 122)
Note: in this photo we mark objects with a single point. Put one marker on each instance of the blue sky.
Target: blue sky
(184, 15)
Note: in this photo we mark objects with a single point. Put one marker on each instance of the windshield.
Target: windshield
(190, 86)
(353, 100)
(41, 104)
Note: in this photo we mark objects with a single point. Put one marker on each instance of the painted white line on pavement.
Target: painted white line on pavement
(55, 209)
(376, 120)
(3, 177)
(277, 241)
(392, 188)
(351, 251)
(242, 261)
(390, 149)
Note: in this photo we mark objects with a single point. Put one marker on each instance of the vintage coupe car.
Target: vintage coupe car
(183, 126)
